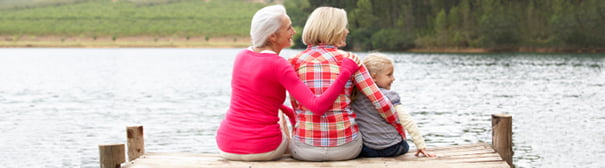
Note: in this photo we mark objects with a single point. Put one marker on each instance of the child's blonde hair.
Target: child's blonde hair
(375, 62)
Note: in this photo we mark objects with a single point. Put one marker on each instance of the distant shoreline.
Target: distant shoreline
(503, 50)
(218, 42)
(123, 42)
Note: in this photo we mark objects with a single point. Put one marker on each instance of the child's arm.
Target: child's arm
(412, 128)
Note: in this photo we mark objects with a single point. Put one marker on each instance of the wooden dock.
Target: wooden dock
(469, 155)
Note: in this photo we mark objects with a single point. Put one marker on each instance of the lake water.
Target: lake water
(58, 105)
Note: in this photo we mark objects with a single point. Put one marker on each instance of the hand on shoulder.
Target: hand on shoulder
(351, 56)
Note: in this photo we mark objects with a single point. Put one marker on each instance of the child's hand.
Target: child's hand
(423, 152)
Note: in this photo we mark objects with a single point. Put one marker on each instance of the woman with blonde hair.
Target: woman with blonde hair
(333, 135)
(250, 130)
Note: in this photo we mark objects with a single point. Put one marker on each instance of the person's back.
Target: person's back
(333, 135)
(377, 133)
(338, 119)
(256, 95)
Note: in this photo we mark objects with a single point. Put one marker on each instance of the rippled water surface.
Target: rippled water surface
(57, 105)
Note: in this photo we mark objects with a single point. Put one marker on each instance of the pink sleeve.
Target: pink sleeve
(302, 93)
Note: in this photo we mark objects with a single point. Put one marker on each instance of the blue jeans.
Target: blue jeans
(395, 150)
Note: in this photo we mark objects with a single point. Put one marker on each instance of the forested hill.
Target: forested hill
(374, 24)
(494, 24)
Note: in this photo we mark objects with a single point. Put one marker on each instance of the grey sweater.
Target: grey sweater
(376, 132)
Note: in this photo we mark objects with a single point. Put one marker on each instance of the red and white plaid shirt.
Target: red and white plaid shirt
(318, 66)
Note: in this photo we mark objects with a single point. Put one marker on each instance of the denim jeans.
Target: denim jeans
(395, 150)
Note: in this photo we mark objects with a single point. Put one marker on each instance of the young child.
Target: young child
(380, 139)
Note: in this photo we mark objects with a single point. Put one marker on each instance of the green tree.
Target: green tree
(441, 29)
(392, 39)
(363, 24)
(299, 11)
(399, 24)
(498, 27)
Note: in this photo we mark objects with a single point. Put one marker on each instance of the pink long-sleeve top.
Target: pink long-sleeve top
(259, 83)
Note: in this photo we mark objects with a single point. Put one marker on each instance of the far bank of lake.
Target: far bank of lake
(219, 42)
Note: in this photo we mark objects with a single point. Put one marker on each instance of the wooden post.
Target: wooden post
(136, 145)
(112, 155)
(502, 136)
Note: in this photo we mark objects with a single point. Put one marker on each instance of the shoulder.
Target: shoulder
(244, 51)
(279, 61)
(297, 58)
(270, 60)
(392, 95)
(346, 53)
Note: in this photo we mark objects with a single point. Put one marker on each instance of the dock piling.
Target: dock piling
(112, 155)
(136, 144)
(502, 136)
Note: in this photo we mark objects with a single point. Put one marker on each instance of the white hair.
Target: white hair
(265, 22)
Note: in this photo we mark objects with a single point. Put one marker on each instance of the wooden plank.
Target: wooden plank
(337, 164)
(472, 155)
(482, 165)
(464, 146)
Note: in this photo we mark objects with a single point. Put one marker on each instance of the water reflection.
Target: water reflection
(56, 105)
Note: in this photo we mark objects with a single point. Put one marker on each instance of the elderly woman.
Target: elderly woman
(250, 129)
(333, 135)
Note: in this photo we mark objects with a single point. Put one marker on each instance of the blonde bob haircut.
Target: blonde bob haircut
(375, 62)
(325, 25)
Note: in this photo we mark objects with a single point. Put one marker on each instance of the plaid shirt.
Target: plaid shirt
(318, 67)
